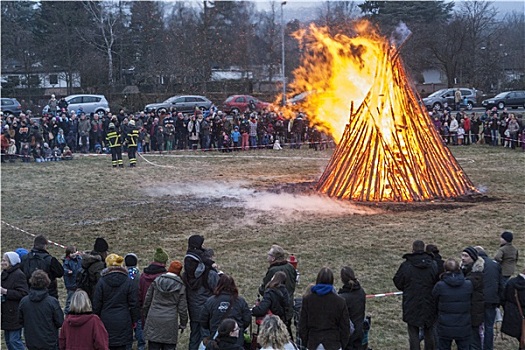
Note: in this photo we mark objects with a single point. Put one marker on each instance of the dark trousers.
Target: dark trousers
(116, 156)
(195, 335)
(490, 318)
(475, 343)
(415, 342)
(446, 344)
(132, 155)
(160, 346)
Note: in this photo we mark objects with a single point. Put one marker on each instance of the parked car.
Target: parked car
(437, 99)
(512, 99)
(11, 106)
(239, 103)
(89, 103)
(183, 104)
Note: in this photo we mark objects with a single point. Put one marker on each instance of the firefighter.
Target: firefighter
(113, 139)
(132, 142)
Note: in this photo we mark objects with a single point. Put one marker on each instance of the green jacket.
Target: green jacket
(507, 257)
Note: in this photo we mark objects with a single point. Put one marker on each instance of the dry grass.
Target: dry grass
(225, 197)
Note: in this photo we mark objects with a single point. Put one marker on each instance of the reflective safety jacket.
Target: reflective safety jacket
(133, 137)
(113, 138)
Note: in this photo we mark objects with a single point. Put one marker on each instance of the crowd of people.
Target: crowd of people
(111, 303)
(492, 127)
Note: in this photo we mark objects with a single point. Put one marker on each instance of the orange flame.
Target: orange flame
(389, 149)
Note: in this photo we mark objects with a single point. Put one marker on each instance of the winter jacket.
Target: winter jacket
(41, 316)
(151, 272)
(416, 278)
(291, 280)
(115, 302)
(84, 126)
(453, 296)
(53, 268)
(83, 332)
(474, 273)
(164, 306)
(493, 283)
(224, 343)
(511, 316)
(71, 267)
(507, 256)
(217, 308)
(275, 300)
(200, 280)
(355, 299)
(14, 280)
(324, 319)
(94, 264)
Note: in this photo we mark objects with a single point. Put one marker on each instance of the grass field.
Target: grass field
(243, 202)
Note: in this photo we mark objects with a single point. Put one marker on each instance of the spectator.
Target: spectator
(200, 278)
(156, 268)
(273, 335)
(13, 289)
(355, 298)
(416, 278)
(82, 329)
(130, 262)
(493, 287)
(472, 267)
(453, 297)
(507, 255)
(72, 263)
(94, 262)
(164, 306)
(40, 314)
(434, 251)
(84, 127)
(227, 336)
(324, 317)
(275, 299)
(115, 302)
(39, 258)
(512, 318)
(225, 303)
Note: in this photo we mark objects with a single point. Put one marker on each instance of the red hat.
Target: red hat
(175, 267)
(292, 260)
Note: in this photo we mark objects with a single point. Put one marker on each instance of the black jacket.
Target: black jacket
(493, 283)
(355, 298)
(41, 316)
(53, 268)
(416, 278)
(511, 317)
(94, 264)
(474, 273)
(14, 280)
(217, 308)
(275, 300)
(453, 295)
(116, 303)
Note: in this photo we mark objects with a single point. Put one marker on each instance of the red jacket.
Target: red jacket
(4, 142)
(83, 332)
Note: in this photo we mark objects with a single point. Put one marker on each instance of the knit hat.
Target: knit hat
(160, 256)
(100, 245)
(507, 236)
(21, 252)
(195, 242)
(131, 260)
(13, 258)
(132, 122)
(175, 267)
(473, 253)
(114, 260)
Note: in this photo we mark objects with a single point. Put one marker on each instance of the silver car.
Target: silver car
(183, 103)
(87, 103)
(438, 99)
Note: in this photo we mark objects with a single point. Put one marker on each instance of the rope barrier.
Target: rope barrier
(32, 234)
(372, 296)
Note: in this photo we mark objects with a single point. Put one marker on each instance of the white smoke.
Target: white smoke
(400, 34)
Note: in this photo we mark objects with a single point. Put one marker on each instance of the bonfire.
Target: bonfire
(387, 148)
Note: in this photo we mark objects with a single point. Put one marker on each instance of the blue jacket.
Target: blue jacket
(71, 267)
(452, 295)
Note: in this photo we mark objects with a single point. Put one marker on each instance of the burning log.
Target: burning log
(390, 150)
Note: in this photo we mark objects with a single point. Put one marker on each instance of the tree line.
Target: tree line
(161, 46)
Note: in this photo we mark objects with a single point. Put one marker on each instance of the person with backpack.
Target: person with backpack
(275, 299)
(72, 264)
(93, 263)
(200, 278)
(39, 259)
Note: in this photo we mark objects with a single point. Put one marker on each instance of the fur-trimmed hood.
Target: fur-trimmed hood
(478, 265)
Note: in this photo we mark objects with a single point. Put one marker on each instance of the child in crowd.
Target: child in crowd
(47, 152)
(24, 153)
(225, 142)
(57, 154)
(72, 264)
(37, 153)
(461, 134)
(67, 154)
(11, 151)
(236, 138)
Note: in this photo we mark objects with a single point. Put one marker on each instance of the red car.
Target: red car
(240, 103)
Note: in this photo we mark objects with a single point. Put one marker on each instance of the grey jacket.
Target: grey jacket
(507, 256)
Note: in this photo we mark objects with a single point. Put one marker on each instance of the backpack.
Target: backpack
(84, 281)
(36, 261)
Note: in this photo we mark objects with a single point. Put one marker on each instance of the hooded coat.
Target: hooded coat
(83, 332)
(217, 308)
(474, 273)
(453, 294)
(355, 299)
(115, 302)
(94, 264)
(416, 278)
(41, 316)
(14, 280)
(493, 283)
(511, 317)
(151, 272)
(324, 319)
(164, 306)
(275, 300)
